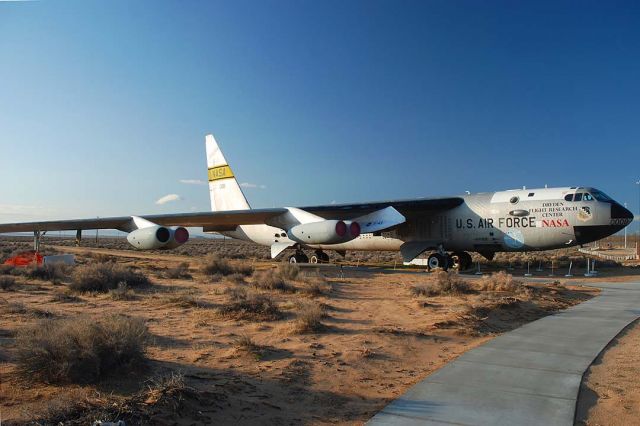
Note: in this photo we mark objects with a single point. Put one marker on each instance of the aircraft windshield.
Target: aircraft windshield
(600, 196)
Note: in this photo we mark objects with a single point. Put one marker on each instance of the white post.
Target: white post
(625, 231)
(570, 265)
(528, 274)
(478, 271)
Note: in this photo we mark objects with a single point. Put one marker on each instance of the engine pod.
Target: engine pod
(324, 232)
(151, 238)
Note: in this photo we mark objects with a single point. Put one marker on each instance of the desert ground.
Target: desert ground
(235, 337)
(610, 391)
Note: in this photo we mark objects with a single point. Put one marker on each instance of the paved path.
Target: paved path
(529, 376)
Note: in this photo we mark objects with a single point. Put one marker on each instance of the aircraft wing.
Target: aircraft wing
(226, 220)
(221, 220)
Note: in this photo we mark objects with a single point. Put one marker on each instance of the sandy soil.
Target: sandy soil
(378, 340)
(610, 390)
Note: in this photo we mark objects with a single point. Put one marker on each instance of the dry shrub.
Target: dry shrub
(6, 269)
(236, 278)
(288, 271)
(444, 283)
(271, 280)
(103, 277)
(214, 265)
(122, 292)
(80, 350)
(315, 285)
(64, 297)
(183, 301)
(309, 318)
(244, 344)
(253, 308)
(7, 283)
(501, 281)
(178, 272)
(236, 293)
(19, 308)
(167, 391)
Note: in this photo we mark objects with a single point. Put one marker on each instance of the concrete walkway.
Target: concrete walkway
(529, 376)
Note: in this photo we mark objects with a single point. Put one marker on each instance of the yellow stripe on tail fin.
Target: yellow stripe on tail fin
(224, 190)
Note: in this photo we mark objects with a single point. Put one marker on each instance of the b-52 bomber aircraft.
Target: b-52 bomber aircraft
(447, 227)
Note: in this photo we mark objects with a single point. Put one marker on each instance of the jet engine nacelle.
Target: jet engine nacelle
(158, 237)
(325, 232)
(179, 236)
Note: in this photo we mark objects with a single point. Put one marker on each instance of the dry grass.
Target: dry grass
(18, 308)
(79, 350)
(214, 265)
(309, 318)
(184, 300)
(501, 281)
(236, 278)
(444, 283)
(271, 280)
(64, 297)
(288, 271)
(236, 293)
(102, 277)
(252, 308)
(178, 272)
(245, 345)
(122, 292)
(7, 283)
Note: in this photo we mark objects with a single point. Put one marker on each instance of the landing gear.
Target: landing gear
(437, 260)
(460, 260)
(299, 257)
(319, 257)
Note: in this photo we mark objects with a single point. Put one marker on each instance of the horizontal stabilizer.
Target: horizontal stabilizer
(379, 220)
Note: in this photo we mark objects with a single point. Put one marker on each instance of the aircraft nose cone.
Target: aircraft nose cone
(619, 212)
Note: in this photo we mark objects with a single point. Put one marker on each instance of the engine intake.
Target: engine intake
(179, 236)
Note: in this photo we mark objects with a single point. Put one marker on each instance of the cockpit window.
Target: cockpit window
(568, 197)
(600, 196)
(577, 197)
(587, 197)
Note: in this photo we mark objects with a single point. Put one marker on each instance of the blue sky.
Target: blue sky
(104, 105)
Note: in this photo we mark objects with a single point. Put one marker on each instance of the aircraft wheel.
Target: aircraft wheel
(319, 257)
(436, 260)
(293, 259)
(465, 260)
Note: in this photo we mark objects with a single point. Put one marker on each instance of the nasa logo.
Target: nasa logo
(584, 214)
(554, 223)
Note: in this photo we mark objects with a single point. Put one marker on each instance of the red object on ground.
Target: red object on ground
(25, 258)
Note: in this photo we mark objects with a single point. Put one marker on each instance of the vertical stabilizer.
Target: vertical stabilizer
(224, 190)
